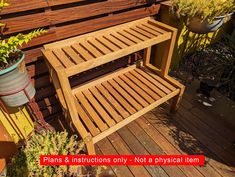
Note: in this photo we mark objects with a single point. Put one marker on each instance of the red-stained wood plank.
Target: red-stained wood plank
(99, 23)
(69, 14)
(23, 5)
(60, 2)
(26, 22)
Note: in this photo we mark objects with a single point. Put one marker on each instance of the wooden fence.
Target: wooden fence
(64, 19)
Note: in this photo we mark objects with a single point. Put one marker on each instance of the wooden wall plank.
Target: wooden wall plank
(67, 31)
(23, 5)
(99, 23)
(69, 14)
(23, 23)
(60, 2)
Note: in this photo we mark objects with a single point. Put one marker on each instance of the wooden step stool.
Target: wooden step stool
(104, 105)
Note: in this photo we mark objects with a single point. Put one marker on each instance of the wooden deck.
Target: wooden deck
(194, 129)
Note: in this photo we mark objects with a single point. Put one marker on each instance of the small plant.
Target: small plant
(203, 9)
(26, 162)
(9, 46)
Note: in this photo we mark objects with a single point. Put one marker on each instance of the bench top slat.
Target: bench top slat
(88, 51)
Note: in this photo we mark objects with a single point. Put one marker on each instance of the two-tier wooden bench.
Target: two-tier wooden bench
(102, 106)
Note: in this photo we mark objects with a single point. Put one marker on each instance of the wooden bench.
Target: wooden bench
(102, 106)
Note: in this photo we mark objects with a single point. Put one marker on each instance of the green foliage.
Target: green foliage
(203, 9)
(26, 162)
(10, 45)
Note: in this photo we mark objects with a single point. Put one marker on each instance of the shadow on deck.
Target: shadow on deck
(194, 129)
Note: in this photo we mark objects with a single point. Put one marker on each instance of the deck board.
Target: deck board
(192, 130)
(157, 132)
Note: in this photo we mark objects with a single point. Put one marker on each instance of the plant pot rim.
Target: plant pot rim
(216, 18)
(223, 16)
(9, 69)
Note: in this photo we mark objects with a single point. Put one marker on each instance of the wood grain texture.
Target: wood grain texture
(23, 5)
(23, 15)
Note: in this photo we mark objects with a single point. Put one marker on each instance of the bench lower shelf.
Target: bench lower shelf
(111, 103)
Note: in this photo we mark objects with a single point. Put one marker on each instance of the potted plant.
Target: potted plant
(26, 162)
(203, 16)
(15, 86)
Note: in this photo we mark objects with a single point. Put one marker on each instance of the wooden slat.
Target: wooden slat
(149, 84)
(107, 43)
(160, 79)
(84, 53)
(137, 89)
(23, 5)
(129, 36)
(94, 9)
(99, 23)
(90, 25)
(99, 46)
(149, 30)
(159, 26)
(155, 28)
(138, 35)
(115, 41)
(119, 98)
(143, 86)
(106, 105)
(24, 23)
(154, 81)
(99, 109)
(71, 41)
(75, 57)
(143, 32)
(133, 117)
(102, 126)
(123, 39)
(63, 58)
(53, 60)
(112, 100)
(126, 95)
(131, 91)
(61, 2)
(88, 122)
(91, 49)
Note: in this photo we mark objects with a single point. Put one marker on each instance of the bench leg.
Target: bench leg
(90, 146)
(176, 101)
